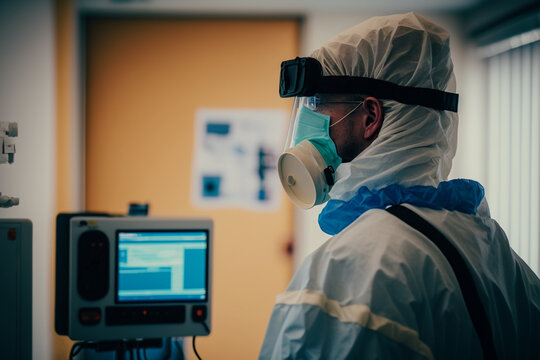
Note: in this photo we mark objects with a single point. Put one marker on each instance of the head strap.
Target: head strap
(304, 77)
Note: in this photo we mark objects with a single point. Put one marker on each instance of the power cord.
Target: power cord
(195, 349)
(76, 349)
(193, 344)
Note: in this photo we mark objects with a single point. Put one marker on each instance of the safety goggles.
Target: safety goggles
(303, 77)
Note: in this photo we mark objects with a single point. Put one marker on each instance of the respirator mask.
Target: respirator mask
(308, 163)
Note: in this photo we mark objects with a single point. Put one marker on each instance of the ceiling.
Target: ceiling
(277, 6)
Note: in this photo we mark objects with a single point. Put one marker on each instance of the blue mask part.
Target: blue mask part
(455, 195)
(313, 126)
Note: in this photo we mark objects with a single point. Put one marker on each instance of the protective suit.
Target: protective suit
(379, 289)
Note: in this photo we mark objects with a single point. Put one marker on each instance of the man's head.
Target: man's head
(385, 110)
(404, 49)
(414, 144)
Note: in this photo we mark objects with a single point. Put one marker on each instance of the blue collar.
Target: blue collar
(454, 195)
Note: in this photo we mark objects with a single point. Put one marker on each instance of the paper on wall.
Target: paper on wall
(235, 158)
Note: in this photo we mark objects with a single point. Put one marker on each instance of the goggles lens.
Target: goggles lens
(316, 102)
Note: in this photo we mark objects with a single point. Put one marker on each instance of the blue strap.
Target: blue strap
(454, 195)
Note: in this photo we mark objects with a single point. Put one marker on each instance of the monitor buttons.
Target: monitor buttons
(198, 313)
(90, 316)
(135, 315)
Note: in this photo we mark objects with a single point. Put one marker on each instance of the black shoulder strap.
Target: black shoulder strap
(463, 275)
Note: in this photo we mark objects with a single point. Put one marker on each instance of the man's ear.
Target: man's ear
(374, 117)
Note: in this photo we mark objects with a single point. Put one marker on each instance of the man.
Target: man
(384, 286)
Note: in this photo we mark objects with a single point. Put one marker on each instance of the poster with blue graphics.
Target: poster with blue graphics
(235, 156)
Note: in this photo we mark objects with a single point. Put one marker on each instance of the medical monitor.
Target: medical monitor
(132, 277)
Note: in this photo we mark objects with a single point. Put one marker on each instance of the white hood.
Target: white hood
(416, 144)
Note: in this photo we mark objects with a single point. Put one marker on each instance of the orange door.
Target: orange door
(145, 79)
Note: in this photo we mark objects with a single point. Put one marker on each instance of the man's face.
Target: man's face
(347, 135)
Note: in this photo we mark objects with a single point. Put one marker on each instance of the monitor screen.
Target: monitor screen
(161, 266)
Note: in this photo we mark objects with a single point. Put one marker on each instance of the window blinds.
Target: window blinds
(513, 184)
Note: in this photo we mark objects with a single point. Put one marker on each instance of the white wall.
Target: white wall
(27, 97)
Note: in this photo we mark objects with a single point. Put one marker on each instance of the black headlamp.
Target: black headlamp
(304, 77)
